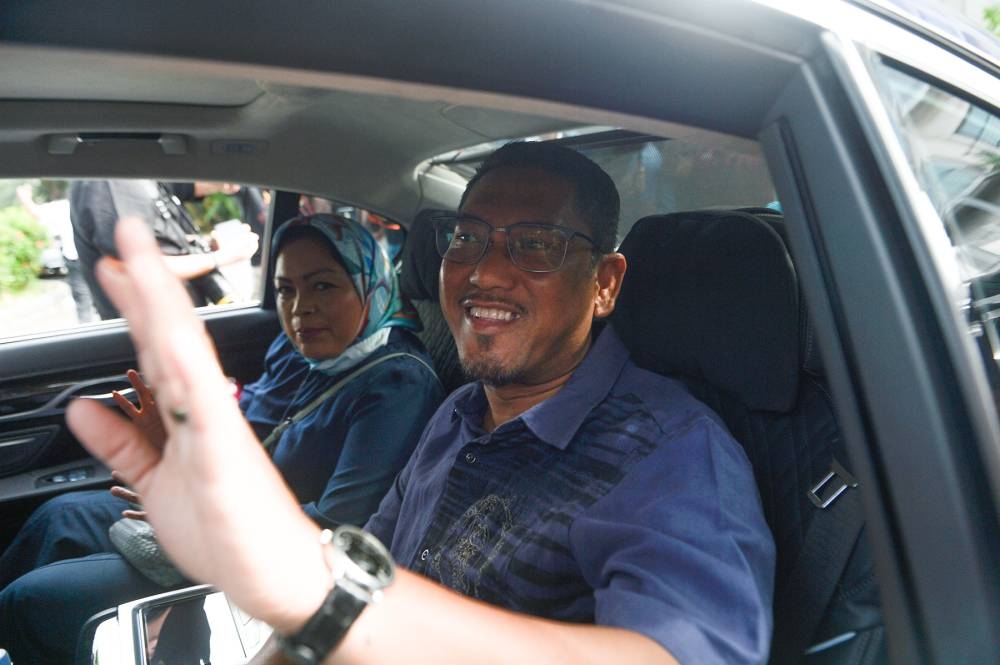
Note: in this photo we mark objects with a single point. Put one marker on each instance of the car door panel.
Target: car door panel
(39, 456)
(20, 448)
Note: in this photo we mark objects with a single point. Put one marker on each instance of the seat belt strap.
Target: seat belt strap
(828, 544)
(330, 392)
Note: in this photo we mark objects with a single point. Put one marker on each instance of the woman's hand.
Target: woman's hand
(218, 505)
(123, 492)
(146, 417)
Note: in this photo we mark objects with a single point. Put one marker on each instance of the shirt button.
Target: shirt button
(424, 555)
(470, 458)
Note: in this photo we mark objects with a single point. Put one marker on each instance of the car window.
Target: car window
(660, 176)
(45, 255)
(656, 176)
(953, 144)
(53, 231)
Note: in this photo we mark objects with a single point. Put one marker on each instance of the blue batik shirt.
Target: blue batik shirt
(621, 501)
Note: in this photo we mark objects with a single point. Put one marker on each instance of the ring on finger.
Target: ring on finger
(178, 414)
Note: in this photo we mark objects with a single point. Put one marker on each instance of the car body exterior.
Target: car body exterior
(878, 132)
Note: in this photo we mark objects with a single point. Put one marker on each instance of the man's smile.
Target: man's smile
(491, 313)
(484, 312)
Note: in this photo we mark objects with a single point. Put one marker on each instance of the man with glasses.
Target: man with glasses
(608, 513)
(549, 486)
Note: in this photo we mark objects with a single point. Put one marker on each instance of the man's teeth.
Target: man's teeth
(489, 313)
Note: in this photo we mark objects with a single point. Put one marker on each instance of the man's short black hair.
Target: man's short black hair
(596, 199)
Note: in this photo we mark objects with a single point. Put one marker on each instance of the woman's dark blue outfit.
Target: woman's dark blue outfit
(339, 461)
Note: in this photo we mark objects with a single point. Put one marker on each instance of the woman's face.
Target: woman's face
(320, 310)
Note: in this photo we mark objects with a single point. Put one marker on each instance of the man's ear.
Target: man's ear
(610, 273)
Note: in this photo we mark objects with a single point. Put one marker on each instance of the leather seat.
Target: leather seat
(712, 297)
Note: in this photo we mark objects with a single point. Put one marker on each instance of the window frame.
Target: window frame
(906, 386)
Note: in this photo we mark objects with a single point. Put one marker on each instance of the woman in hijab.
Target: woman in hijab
(346, 391)
(338, 300)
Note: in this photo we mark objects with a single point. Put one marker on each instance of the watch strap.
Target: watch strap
(325, 629)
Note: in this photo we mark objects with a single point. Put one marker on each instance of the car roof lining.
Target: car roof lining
(386, 128)
(357, 134)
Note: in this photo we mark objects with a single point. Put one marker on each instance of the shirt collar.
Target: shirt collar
(556, 420)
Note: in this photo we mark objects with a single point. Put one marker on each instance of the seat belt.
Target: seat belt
(827, 546)
(276, 433)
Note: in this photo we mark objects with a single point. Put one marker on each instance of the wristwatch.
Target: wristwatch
(361, 568)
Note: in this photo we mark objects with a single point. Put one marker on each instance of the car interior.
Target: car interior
(719, 284)
(703, 129)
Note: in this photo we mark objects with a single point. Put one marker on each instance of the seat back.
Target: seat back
(711, 297)
(418, 282)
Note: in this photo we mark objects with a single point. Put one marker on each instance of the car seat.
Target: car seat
(711, 297)
(418, 282)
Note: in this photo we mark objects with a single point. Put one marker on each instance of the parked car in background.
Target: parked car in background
(864, 139)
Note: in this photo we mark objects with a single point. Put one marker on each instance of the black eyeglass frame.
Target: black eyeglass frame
(446, 224)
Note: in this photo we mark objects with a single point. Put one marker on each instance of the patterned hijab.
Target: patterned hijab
(374, 279)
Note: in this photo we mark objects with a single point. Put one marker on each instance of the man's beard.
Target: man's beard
(489, 370)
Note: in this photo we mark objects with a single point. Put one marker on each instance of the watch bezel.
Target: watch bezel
(361, 558)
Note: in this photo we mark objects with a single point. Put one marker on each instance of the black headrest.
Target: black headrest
(809, 357)
(421, 263)
(712, 296)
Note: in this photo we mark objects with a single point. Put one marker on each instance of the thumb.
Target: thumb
(115, 441)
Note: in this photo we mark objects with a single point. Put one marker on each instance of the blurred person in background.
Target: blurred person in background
(55, 217)
(97, 205)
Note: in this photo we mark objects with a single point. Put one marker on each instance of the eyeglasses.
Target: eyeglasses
(532, 246)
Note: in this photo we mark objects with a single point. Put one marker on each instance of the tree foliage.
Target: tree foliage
(22, 240)
(212, 209)
(991, 15)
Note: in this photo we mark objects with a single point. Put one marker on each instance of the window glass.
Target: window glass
(953, 144)
(656, 176)
(664, 176)
(53, 231)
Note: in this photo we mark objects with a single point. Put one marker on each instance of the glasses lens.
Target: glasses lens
(537, 247)
(460, 239)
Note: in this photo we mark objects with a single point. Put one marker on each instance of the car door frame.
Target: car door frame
(909, 390)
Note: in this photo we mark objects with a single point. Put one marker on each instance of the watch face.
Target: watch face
(365, 551)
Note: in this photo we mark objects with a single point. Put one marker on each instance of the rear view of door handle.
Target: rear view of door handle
(125, 392)
(75, 391)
